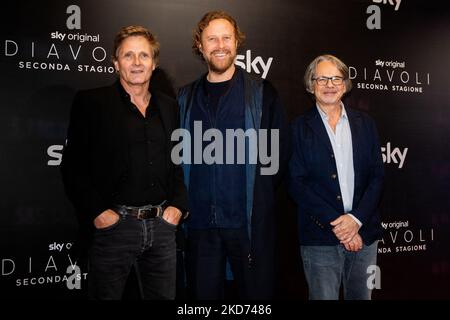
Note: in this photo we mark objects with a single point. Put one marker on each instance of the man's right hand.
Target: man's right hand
(106, 218)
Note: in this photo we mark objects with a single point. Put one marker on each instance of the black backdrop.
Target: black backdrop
(400, 75)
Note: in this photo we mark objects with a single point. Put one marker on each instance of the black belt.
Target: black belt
(142, 213)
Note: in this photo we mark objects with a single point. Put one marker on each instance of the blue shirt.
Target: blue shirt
(217, 192)
(341, 142)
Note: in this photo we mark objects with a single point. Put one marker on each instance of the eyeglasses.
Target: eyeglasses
(323, 81)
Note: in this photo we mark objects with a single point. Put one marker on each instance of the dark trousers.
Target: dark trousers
(207, 253)
(147, 245)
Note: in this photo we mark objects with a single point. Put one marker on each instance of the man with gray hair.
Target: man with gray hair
(336, 176)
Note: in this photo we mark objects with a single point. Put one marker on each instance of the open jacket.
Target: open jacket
(96, 156)
(313, 184)
(263, 110)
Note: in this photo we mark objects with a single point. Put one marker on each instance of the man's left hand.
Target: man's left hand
(354, 244)
(172, 215)
(345, 228)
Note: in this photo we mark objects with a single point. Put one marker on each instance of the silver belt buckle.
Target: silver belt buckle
(142, 213)
(146, 213)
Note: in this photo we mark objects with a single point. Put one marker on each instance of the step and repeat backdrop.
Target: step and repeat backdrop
(398, 52)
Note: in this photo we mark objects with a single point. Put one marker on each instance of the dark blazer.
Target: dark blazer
(313, 178)
(96, 156)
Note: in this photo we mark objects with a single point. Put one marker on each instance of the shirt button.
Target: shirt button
(332, 155)
(333, 176)
(151, 162)
(338, 198)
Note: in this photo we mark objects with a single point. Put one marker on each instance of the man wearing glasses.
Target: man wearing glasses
(336, 176)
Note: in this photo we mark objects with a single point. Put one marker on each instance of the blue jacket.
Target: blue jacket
(263, 110)
(313, 184)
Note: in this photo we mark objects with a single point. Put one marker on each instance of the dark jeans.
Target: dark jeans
(328, 267)
(206, 257)
(148, 245)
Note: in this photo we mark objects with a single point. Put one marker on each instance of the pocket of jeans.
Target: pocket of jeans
(164, 221)
(111, 227)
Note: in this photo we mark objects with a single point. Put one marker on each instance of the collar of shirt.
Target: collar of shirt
(227, 83)
(324, 116)
(127, 100)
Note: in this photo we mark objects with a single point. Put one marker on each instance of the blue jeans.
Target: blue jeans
(327, 267)
(147, 245)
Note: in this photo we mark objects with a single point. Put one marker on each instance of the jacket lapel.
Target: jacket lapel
(357, 132)
(315, 122)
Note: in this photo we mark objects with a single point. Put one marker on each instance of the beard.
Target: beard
(220, 66)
